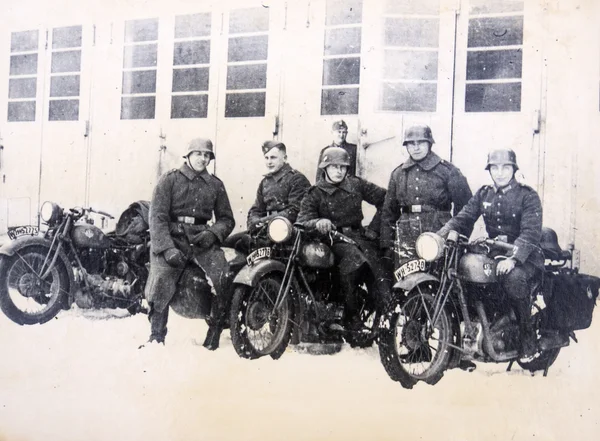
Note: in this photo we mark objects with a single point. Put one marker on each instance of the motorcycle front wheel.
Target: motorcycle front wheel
(256, 328)
(25, 297)
(411, 347)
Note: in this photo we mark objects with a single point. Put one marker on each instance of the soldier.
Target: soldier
(511, 212)
(184, 200)
(339, 131)
(335, 203)
(420, 195)
(281, 190)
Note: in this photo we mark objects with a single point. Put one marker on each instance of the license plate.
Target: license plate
(410, 267)
(261, 253)
(28, 230)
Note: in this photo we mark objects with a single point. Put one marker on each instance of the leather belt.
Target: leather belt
(347, 230)
(190, 220)
(405, 209)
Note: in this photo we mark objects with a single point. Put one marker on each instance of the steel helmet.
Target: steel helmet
(200, 145)
(419, 132)
(502, 156)
(334, 156)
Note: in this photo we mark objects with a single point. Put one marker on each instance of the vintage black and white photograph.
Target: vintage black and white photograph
(305, 220)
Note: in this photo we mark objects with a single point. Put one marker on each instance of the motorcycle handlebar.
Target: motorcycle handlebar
(504, 246)
(82, 210)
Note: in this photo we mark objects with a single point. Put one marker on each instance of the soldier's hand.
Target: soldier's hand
(370, 234)
(505, 266)
(255, 226)
(175, 258)
(204, 239)
(324, 226)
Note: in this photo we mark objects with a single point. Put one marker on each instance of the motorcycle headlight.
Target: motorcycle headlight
(429, 246)
(50, 212)
(279, 229)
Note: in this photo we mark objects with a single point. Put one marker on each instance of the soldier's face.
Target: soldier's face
(339, 136)
(199, 160)
(336, 173)
(274, 160)
(418, 149)
(502, 174)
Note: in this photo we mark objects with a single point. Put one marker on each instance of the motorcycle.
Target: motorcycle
(74, 262)
(288, 290)
(448, 306)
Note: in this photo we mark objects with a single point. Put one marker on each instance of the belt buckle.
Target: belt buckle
(415, 208)
(189, 220)
(346, 230)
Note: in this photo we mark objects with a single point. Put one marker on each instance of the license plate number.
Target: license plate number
(261, 253)
(409, 267)
(28, 230)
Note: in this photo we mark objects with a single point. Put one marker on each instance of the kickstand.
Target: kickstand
(572, 335)
(546, 368)
(510, 365)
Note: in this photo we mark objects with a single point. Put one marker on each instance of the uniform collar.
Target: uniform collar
(427, 163)
(330, 188)
(187, 171)
(280, 173)
(512, 184)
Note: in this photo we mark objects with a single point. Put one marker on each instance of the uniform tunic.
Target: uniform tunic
(281, 193)
(350, 149)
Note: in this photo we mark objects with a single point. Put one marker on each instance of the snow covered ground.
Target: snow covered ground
(81, 377)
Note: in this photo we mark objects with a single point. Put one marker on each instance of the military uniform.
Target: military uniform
(350, 149)
(182, 204)
(280, 194)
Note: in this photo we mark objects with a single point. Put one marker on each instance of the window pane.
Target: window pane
(344, 12)
(66, 37)
(22, 87)
(141, 30)
(245, 104)
(341, 71)
(495, 31)
(410, 65)
(493, 97)
(248, 48)
(23, 64)
(189, 106)
(63, 110)
(492, 6)
(139, 56)
(64, 86)
(339, 101)
(24, 41)
(143, 81)
(21, 111)
(252, 76)
(409, 97)
(191, 52)
(138, 107)
(196, 25)
(489, 65)
(412, 32)
(342, 41)
(427, 7)
(69, 61)
(185, 80)
(249, 20)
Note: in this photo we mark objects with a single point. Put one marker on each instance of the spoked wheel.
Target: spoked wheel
(411, 347)
(256, 328)
(25, 297)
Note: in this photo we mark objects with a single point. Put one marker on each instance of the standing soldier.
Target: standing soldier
(184, 200)
(420, 195)
(339, 131)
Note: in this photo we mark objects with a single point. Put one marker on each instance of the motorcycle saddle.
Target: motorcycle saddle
(550, 246)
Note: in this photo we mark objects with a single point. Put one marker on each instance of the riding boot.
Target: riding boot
(348, 288)
(522, 309)
(217, 320)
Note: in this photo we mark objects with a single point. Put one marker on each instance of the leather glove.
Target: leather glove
(204, 239)
(175, 258)
(370, 234)
(324, 226)
(257, 225)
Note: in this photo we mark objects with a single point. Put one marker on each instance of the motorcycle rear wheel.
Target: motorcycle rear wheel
(25, 298)
(410, 347)
(255, 330)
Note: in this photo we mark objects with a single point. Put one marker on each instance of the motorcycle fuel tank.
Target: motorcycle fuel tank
(89, 236)
(477, 268)
(316, 255)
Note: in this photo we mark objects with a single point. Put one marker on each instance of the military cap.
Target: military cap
(268, 145)
(339, 125)
(200, 145)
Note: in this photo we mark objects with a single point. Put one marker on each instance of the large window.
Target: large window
(139, 69)
(65, 74)
(410, 56)
(191, 61)
(247, 62)
(494, 56)
(341, 57)
(22, 82)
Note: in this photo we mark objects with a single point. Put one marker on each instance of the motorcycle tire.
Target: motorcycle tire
(406, 355)
(24, 298)
(540, 361)
(253, 333)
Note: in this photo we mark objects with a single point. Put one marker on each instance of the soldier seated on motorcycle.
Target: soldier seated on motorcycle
(335, 203)
(512, 212)
(184, 200)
